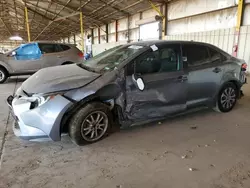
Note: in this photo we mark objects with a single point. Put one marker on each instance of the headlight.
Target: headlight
(39, 99)
(36, 100)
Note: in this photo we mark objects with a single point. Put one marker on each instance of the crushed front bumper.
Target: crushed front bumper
(38, 123)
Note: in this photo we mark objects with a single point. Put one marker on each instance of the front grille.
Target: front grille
(16, 125)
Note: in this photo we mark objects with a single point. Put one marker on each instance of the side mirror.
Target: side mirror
(138, 82)
(13, 53)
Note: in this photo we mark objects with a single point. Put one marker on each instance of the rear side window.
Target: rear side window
(65, 47)
(47, 48)
(195, 55)
(214, 55)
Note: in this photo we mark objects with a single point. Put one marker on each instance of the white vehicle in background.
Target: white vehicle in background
(31, 57)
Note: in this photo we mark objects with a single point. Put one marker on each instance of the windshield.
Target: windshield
(110, 59)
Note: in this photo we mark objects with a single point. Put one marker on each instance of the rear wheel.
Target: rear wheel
(3, 75)
(227, 98)
(90, 124)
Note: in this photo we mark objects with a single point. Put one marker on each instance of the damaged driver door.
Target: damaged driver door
(156, 84)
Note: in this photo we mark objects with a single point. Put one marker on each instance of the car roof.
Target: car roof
(160, 42)
(149, 43)
(48, 42)
(143, 43)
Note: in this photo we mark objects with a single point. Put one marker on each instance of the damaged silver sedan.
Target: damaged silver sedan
(126, 85)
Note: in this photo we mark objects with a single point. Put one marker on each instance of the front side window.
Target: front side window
(148, 63)
(165, 59)
(49, 48)
(195, 55)
(28, 52)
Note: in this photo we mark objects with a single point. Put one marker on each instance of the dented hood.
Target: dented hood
(58, 78)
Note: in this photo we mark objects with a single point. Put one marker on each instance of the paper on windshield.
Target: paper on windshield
(136, 47)
(154, 47)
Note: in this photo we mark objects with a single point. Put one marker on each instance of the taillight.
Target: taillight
(244, 67)
(80, 54)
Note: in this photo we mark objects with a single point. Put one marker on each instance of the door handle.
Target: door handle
(217, 70)
(182, 78)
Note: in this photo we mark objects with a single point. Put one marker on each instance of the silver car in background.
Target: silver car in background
(126, 85)
(29, 58)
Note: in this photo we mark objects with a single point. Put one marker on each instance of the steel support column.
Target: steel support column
(82, 33)
(92, 36)
(240, 14)
(27, 23)
(128, 25)
(162, 22)
(107, 33)
(116, 30)
(166, 20)
(99, 35)
(74, 39)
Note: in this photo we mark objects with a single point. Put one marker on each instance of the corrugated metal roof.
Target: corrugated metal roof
(43, 13)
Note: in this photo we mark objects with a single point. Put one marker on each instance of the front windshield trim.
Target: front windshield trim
(113, 58)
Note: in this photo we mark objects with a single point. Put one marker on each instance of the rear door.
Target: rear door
(51, 54)
(165, 84)
(204, 73)
(27, 59)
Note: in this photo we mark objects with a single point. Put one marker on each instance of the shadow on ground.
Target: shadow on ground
(16, 79)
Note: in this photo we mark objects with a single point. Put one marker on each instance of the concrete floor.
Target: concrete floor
(150, 156)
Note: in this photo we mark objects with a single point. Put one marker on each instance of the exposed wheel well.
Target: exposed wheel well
(4, 69)
(67, 116)
(237, 86)
(67, 63)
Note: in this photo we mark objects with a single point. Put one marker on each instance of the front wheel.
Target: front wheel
(90, 124)
(3, 75)
(227, 98)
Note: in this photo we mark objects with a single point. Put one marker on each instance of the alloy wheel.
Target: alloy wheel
(94, 126)
(228, 98)
(2, 76)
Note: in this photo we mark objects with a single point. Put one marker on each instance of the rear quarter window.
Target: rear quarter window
(65, 47)
(214, 55)
(195, 54)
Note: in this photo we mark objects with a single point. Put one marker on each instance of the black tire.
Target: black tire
(221, 105)
(3, 75)
(79, 121)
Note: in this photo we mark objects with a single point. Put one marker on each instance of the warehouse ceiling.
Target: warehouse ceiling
(48, 18)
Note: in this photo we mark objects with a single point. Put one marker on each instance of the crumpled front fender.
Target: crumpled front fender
(48, 116)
